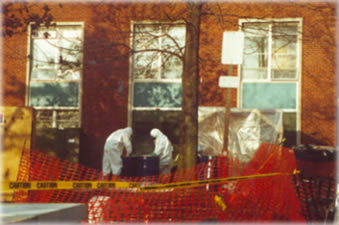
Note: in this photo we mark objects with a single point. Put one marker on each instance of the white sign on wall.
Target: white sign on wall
(232, 47)
(229, 82)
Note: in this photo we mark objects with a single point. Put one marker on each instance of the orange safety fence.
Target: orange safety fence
(250, 196)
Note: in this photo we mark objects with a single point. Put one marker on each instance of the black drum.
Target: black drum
(140, 166)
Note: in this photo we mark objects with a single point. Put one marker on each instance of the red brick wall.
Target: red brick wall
(106, 71)
(319, 79)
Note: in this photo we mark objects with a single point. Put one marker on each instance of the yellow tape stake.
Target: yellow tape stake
(220, 202)
(64, 185)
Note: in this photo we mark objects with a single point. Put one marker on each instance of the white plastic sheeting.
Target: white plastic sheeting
(247, 130)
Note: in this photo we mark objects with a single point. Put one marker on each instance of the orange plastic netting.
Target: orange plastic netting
(266, 198)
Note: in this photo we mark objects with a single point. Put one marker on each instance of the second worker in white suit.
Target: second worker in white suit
(117, 144)
(164, 149)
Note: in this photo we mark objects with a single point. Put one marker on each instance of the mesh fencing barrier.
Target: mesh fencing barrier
(217, 189)
(317, 196)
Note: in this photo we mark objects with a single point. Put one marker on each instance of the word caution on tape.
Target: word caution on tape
(59, 185)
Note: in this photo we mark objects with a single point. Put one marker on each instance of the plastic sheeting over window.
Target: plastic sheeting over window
(247, 130)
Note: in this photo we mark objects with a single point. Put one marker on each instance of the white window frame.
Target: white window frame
(297, 79)
(132, 80)
(78, 108)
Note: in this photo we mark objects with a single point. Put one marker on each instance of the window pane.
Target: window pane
(260, 73)
(146, 65)
(172, 67)
(284, 45)
(70, 60)
(150, 60)
(146, 42)
(283, 74)
(282, 29)
(64, 118)
(44, 119)
(65, 72)
(54, 94)
(255, 56)
(70, 32)
(256, 29)
(284, 63)
(146, 37)
(43, 74)
(269, 95)
(256, 46)
(45, 52)
(68, 119)
(174, 41)
(284, 67)
(157, 95)
(71, 50)
(255, 60)
(173, 38)
(44, 56)
(147, 61)
(147, 29)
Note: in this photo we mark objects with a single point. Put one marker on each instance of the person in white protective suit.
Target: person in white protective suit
(117, 144)
(164, 149)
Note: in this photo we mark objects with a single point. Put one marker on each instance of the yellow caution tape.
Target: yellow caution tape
(197, 183)
(59, 185)
(295, 171)
(64, 185)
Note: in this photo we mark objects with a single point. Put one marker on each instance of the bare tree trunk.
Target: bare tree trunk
(190, 78)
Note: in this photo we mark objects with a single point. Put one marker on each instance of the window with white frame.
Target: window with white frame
(55, 74)
(270, 51)
(157, 66)
(271, 67)
(156, 81)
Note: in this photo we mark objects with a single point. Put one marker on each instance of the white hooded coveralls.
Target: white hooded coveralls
(113, 150)
(164, 149)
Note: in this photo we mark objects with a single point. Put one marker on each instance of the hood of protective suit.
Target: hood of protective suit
(128, 131)
(155, 133)
(163, 147)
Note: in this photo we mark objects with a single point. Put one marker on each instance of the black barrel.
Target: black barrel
(316, 183)
(140, 166)
(312, 153)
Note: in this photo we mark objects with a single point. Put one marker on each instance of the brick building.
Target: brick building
(83, 81)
